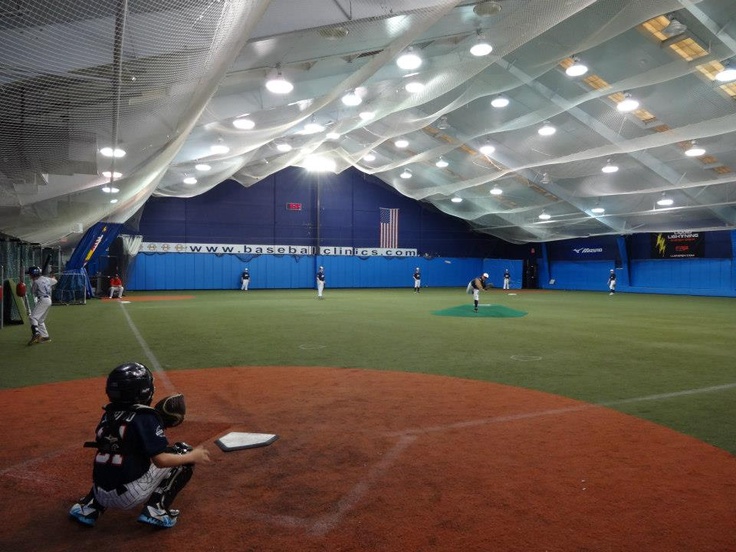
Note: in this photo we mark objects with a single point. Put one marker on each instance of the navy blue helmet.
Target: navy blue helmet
(130, 383)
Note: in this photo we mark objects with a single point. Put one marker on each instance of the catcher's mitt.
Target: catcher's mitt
(172, 410)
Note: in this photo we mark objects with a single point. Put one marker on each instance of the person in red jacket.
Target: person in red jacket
(116, 286)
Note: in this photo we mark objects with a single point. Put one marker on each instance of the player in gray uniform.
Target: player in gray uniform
(41, 292)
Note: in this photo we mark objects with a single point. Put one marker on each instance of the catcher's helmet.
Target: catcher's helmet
(130, 383)
(485, 275)
(33, 272)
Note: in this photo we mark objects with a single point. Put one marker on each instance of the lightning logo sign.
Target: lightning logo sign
(661, 245)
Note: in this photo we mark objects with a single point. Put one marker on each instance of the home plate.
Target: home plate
(238, 441)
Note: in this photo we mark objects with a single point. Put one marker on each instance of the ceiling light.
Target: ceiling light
(500, 101)
(312, 127)
(409, 60)
(627, 104)
(577, 69)
(406, 173)
(352, 99)
(457, 200)
(414, 87)
(370, 156)
(110, 189)
(545, 178)
(665, 201)
(481, 46)
(108, 174)
(442, 123)
(277, 84)
(319, 163)
(367, 115)
(110, 152)
(332, 135)
(597, 210)
(202, 167)
(441, 163)
(283, 147)
(487, 149)
(496, 190)
(609, 167)
(544, 216)
(189, 180)
(727, 74)
(113, 201)
(694, 150)
(546, 129)
(401, 143)
(219, 149)
(674, 27)
(243, 123)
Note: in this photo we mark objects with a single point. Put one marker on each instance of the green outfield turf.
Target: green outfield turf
(669, 359)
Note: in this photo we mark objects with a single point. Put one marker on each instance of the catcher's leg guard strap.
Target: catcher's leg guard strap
(165, 494)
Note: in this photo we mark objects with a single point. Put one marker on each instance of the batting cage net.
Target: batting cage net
(73, 287)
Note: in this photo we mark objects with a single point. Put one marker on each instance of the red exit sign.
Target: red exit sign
(293, 206)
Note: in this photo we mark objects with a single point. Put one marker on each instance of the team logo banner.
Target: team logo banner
(675, 245)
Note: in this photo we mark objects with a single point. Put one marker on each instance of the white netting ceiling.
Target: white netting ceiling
(164, 80)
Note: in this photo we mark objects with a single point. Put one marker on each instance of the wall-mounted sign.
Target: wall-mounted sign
(293, 206)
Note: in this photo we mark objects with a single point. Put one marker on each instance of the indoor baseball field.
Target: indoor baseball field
(546, 421)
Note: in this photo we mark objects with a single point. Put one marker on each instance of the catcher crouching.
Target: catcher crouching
(135, 463)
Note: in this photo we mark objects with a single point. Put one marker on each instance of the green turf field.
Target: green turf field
(669, 359)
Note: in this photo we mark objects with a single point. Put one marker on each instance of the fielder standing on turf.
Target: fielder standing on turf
(612, 282)
(41, 292)
(134, 463)
(475, 286)
(320, 282)
(244, 280)
(417, 280)
(507, 279)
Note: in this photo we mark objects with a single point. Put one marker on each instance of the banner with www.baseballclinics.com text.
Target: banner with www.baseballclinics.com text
(677, 245)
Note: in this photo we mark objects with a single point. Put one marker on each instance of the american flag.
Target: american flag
(389, 228)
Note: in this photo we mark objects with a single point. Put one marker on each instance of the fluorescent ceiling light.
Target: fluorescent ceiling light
(110, 189)
(277, 84)
(108, 174)
(577, 69)
(609, 167)
(313, 127)
(544, 216)
(627, 104)
(409, 60)
(189, 180)
(202, 167)
(367, 115)
(401, 143)
(481, 47)
(496, 190)
(441, 163)
(665, 201)
(332, 135)
(500, 101)
(487, 149)
(352, 99)
(370, 156)
(546, 129)
(694, 150)
(597, 210)
(243, 123)
(113, 201)
(109, 152)
(406, 173)
(219, 149)
(283, 147)
(414, 87)
(319, 163)
(457, 200)
(728, 74)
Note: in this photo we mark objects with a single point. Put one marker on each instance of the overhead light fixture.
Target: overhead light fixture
(319, 163)
(441, 163)
(352, 99)
(244, 123)
(499, 102)
(370, 156)
(113, 201)
(727, 74)
(367, 115)
(598, 210)
(332, 135)
(409, 60)
(481, 46)
(189, 180)
(313, 127)
(546, 129)
(496, 190)
(283, 147)
(665, 201)
(442, 123)
(694, 150)
(219, 149)
(577, 69)
(457, 200)
(401, 143)
(109, 174)
(202, 167)
(110, 189)
(405, 174)
(277, 84)
(110, 152)
(627, 104)
(544, 216)
(674, 27)
(545, 178)
(609, 167)
(487, 148)
(414, 87)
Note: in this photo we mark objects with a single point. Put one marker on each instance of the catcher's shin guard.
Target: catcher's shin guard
(164, 495)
